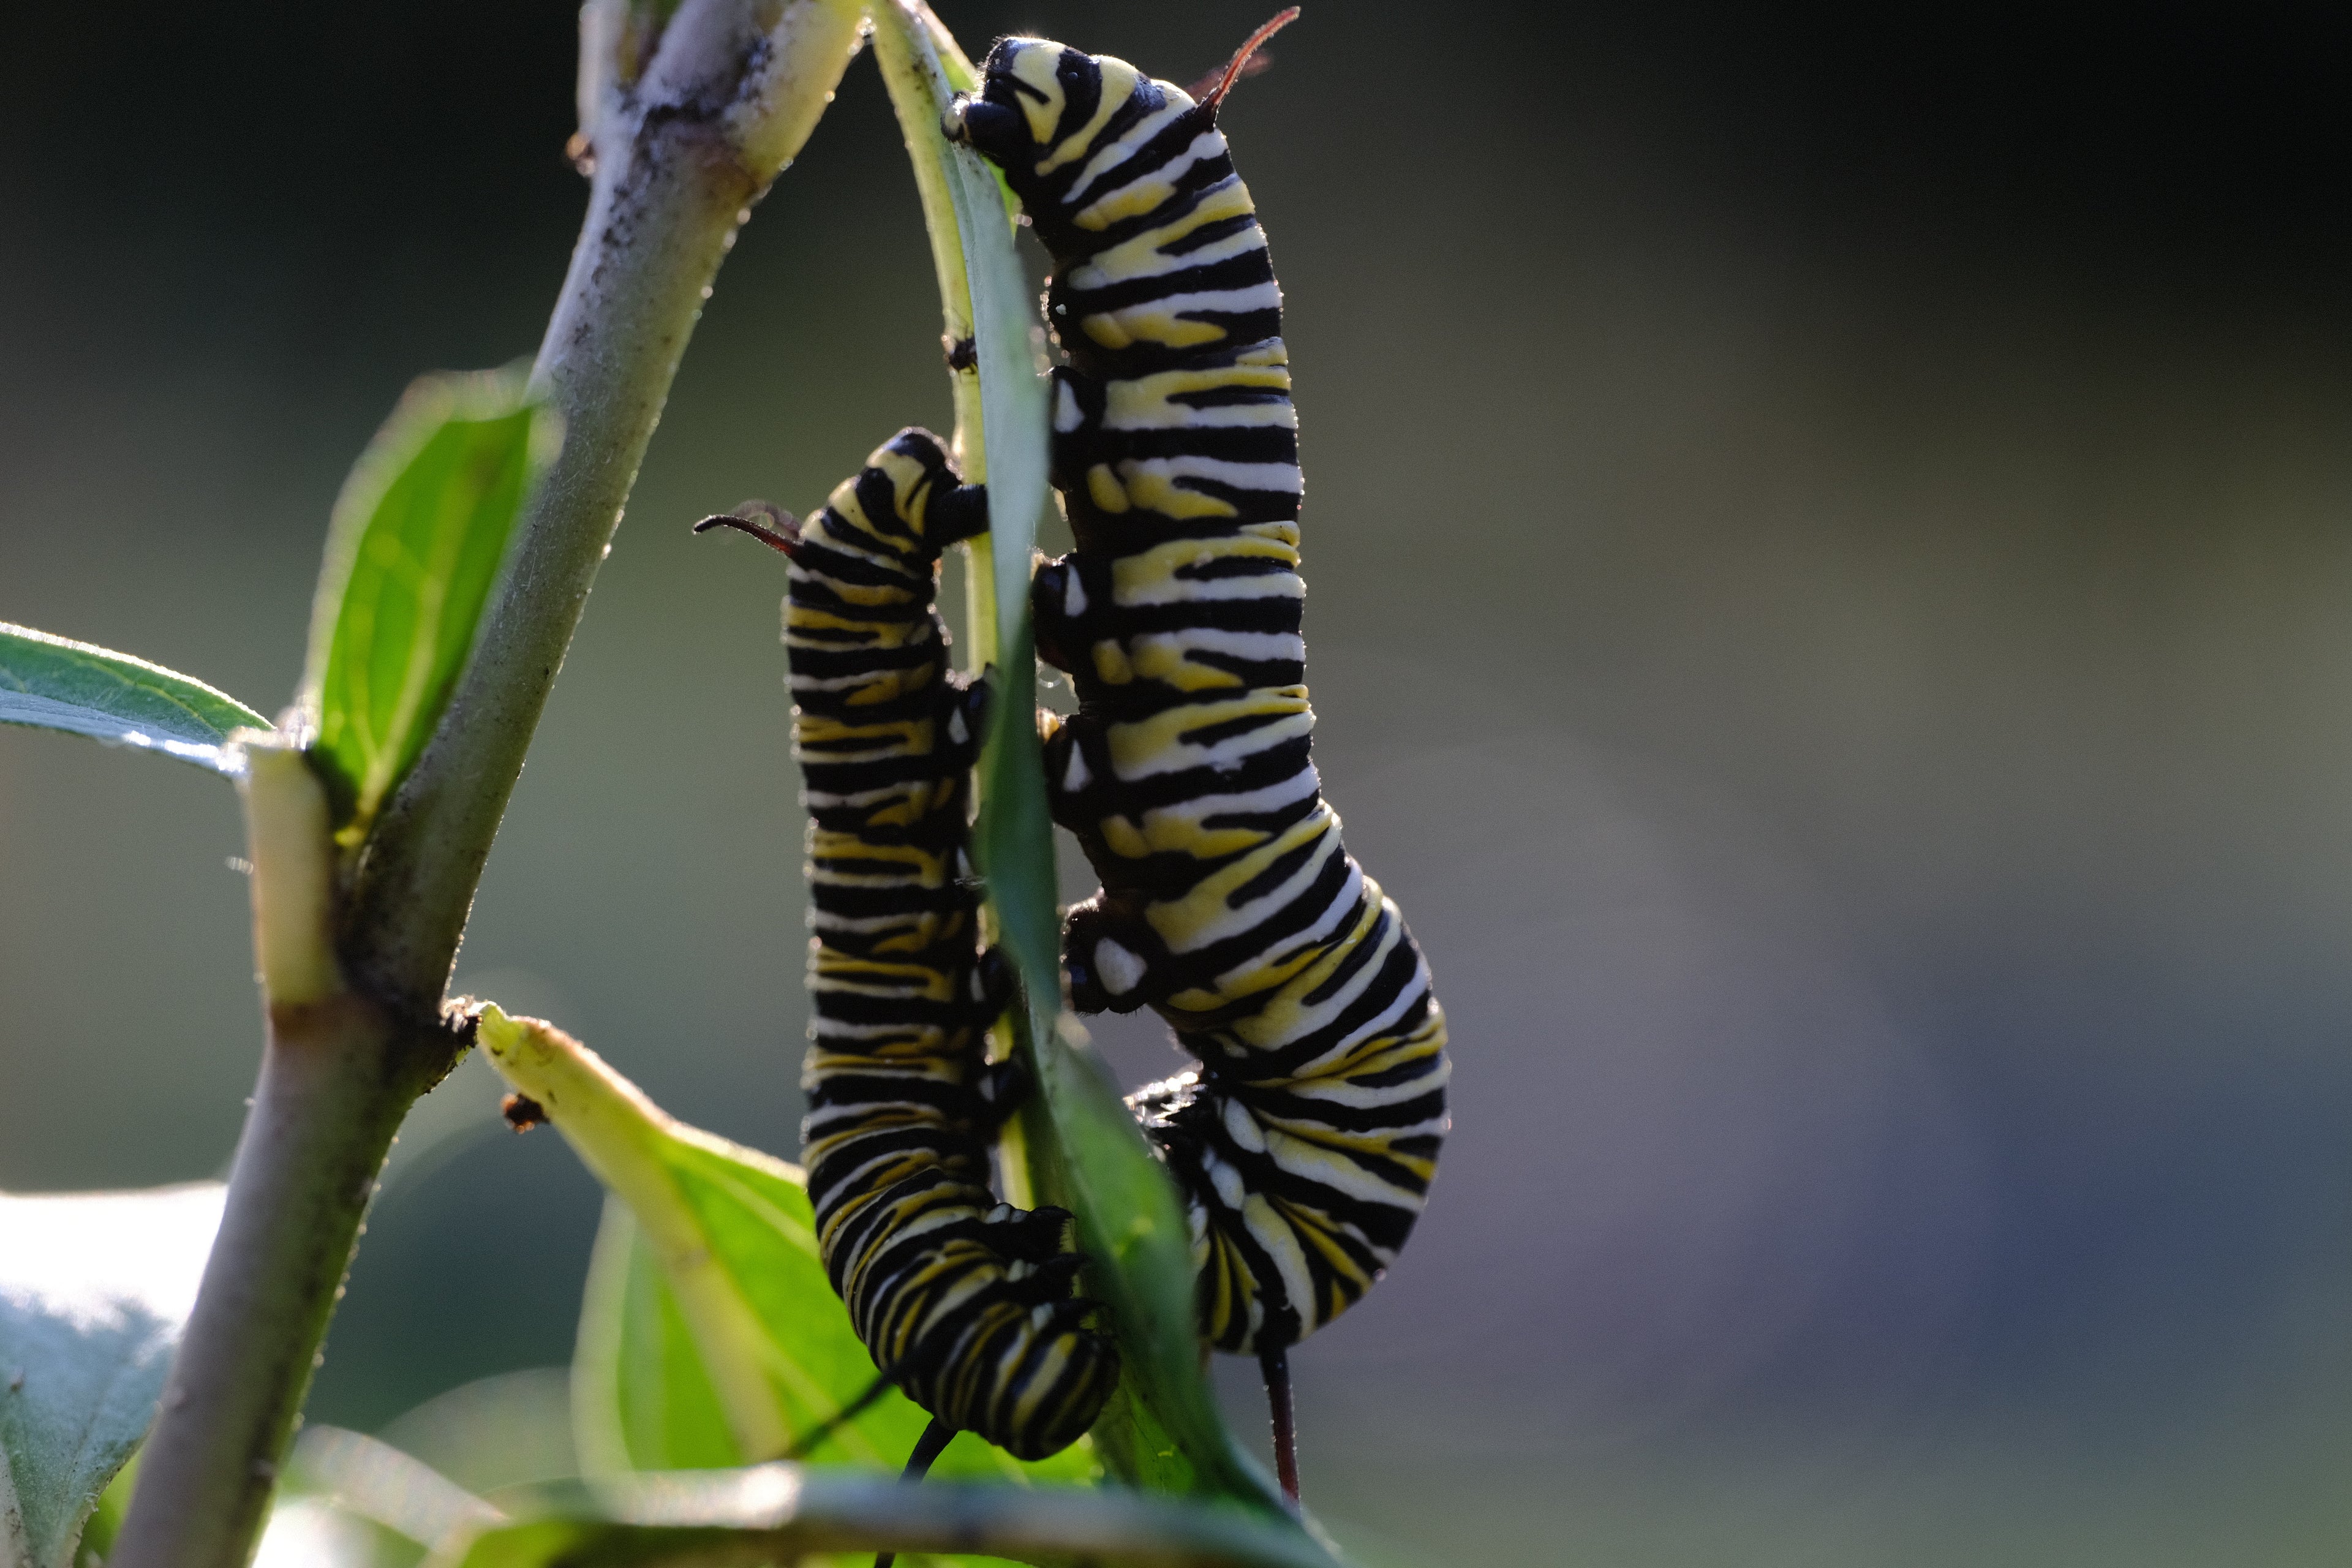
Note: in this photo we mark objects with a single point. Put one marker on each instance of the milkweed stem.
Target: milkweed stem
(689, 110)
(338, 1072)
(682, 143)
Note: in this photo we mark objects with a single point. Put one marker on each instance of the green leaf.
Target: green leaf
(1081, 1146)
(495, 1433)
(919, 105)
(412, 555)
(640, 1397)
(371, 1479)
(94, 1288)
(97, 1531)
(1162, 1428)
(311, 1533)
(711, 1335)
(49, 683)
(777, 1513)
(923, 67)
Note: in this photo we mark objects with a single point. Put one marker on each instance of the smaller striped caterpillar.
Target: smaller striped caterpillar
(964, 1303)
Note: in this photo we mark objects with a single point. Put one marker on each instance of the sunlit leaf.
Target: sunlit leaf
(371, 1479)
(1162, 1427)
(311, 1533)
(412, 555)
(509, 1429)
(641, 1399)
(49, 683)
(97, 1531)
(776, 1512)
(711, 1335)
(94, 1288)
(1082, 1150)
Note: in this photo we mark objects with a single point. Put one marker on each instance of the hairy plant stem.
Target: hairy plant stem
(689, 111)
(336, 1079)
(782, 1513)
(338, 1072)
(667, 198)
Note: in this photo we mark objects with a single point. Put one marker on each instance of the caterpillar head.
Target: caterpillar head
(1042, 106)
(906, 499)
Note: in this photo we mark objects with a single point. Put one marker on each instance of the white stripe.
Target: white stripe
(1228, 754)
(1111, 155)
(1266, 296)
(1256, 646)
(1238, 923)
(1280, 477)
(1145, 255)
(1206, 147)
(1290, 791)
(1285, 584)
(1148, 255)
(1281, 414)
(1335, 1172)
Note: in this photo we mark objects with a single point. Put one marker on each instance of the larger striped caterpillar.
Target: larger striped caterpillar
(964, 1303)
(1305, 1139)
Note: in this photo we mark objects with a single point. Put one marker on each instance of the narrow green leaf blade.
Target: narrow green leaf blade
(922, 68)
(778, 1513)
(312, 1533)
(414, 550)
(1013, 838)
(711, 1335)
(51, 683)
(1162, 1428)
(370, 1478)
(94, 1288)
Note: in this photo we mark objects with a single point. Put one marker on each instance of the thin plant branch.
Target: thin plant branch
(680, 149)
(774, 1513)
(688, 111)
(338, 1072)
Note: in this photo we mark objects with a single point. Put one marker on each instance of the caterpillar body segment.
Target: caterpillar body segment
(964, 1303)
(1305, 1139)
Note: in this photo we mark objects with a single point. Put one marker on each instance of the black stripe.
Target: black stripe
(1247, 270)
(1207, 735)
(1229, 397)
(1208, 234)
(1231, 443)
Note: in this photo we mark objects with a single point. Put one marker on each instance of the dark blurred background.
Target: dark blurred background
(1827, 529)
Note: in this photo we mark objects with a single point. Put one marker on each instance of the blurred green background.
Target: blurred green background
(1828, 540)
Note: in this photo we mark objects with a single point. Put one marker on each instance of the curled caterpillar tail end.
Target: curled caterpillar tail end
(1246, 61)
(771, 524)
(1097, 1374)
